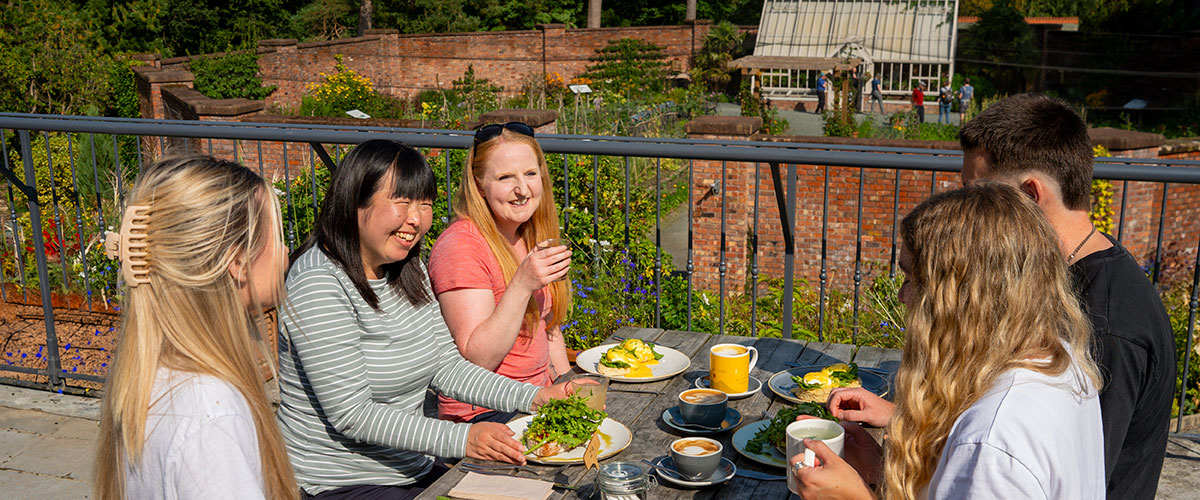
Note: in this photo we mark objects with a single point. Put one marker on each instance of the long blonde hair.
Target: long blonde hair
(989, 291)
(204, 214)
(469, 204)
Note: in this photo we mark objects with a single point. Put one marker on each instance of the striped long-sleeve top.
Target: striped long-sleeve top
(352, 381)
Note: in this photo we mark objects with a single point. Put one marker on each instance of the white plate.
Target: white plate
(753, 387)
(781, 383)
(724, 472)
(773, 457)
(672, 363)
(614, 437)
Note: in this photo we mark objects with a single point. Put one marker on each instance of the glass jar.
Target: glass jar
(623, 481)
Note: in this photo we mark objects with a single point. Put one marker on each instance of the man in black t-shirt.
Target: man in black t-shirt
(1041, 146)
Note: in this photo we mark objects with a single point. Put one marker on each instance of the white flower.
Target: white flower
(277, 191)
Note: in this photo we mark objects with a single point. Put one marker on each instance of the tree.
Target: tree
(365, 10)
(50, 60)
(1000, 36)
(723, 43)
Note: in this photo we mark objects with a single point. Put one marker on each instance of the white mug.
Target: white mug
(827, 431)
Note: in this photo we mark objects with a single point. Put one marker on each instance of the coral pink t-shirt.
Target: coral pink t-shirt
(461, 259)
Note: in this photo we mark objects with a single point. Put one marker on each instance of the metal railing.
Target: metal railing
(782, 159)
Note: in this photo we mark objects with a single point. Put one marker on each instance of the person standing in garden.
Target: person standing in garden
(822, 83)
(876, 94)
(918, 101)
(498, 268)
(185, 412)
(945, 98)
(1041, 146)
(361, 340)
(965, 93)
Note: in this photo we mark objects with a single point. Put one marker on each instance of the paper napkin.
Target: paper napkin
(487, 487)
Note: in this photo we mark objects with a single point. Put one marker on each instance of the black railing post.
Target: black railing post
(754, 260)
(691, 267)
(39, 252)
(721, 256)
(658, 243)
(824, 260)
(858, 258)
(1162, 220)
(787, 215)
(1193, 306)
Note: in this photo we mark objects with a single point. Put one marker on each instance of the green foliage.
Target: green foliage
(880, 320)
(434, 16)
(642, 13)
(629, 66)
(754, 104)
(342, 91)
(70, 226)
(325, 20)
(1176, 297)
(49, 60)
(476, 92)
(1000, 36)
(723, 43)
(305, 193)
(230, 75)
(123, 101)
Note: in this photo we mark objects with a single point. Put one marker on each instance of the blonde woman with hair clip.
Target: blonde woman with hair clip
(185, 413)
(499, 270)
(996, 395)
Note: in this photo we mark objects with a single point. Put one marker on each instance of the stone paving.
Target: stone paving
(47, 443)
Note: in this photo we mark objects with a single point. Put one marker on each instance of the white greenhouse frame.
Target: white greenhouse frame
(904, 42)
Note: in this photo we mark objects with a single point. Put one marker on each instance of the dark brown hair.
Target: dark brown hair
(361, 173)
(1035, 132)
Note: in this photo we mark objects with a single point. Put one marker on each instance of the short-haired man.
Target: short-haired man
(1041, 146)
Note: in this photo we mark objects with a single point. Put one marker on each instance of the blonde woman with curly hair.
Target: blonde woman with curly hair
(498, 279)
(185, 413)
(996, 395)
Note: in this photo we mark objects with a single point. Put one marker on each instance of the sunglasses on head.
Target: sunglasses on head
(489, 132)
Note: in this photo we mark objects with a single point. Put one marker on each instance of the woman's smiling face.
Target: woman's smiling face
(512, 184)
(389, 228)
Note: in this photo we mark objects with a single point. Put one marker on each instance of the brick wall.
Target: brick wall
(884, 203)
(404, 65)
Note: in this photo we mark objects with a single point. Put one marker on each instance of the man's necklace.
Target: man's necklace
(1071, 258)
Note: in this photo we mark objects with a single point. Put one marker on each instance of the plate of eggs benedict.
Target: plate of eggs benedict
(814, 383)
(633, 360)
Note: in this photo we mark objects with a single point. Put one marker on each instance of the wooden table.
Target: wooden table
(642, 412)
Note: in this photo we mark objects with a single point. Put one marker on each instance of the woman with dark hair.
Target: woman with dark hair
(361, 339)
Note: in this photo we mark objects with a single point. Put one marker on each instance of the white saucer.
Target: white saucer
(753, 387)
(724, 472)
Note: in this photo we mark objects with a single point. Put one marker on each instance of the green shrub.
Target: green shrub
(123, 101)
(629, 66)
(230, 76)
(723, 43)
(753, 104)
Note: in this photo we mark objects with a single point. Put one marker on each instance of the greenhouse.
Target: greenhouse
(903, 42)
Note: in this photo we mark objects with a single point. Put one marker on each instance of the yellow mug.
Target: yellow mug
(730, 366)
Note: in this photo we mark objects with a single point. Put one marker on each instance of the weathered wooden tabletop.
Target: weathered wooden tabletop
(642, 412)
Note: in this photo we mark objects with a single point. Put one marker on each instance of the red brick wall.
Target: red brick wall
(404, 65)
(1140, 232)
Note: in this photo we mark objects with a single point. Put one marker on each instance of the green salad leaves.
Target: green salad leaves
(569, 422)
(774, 434)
